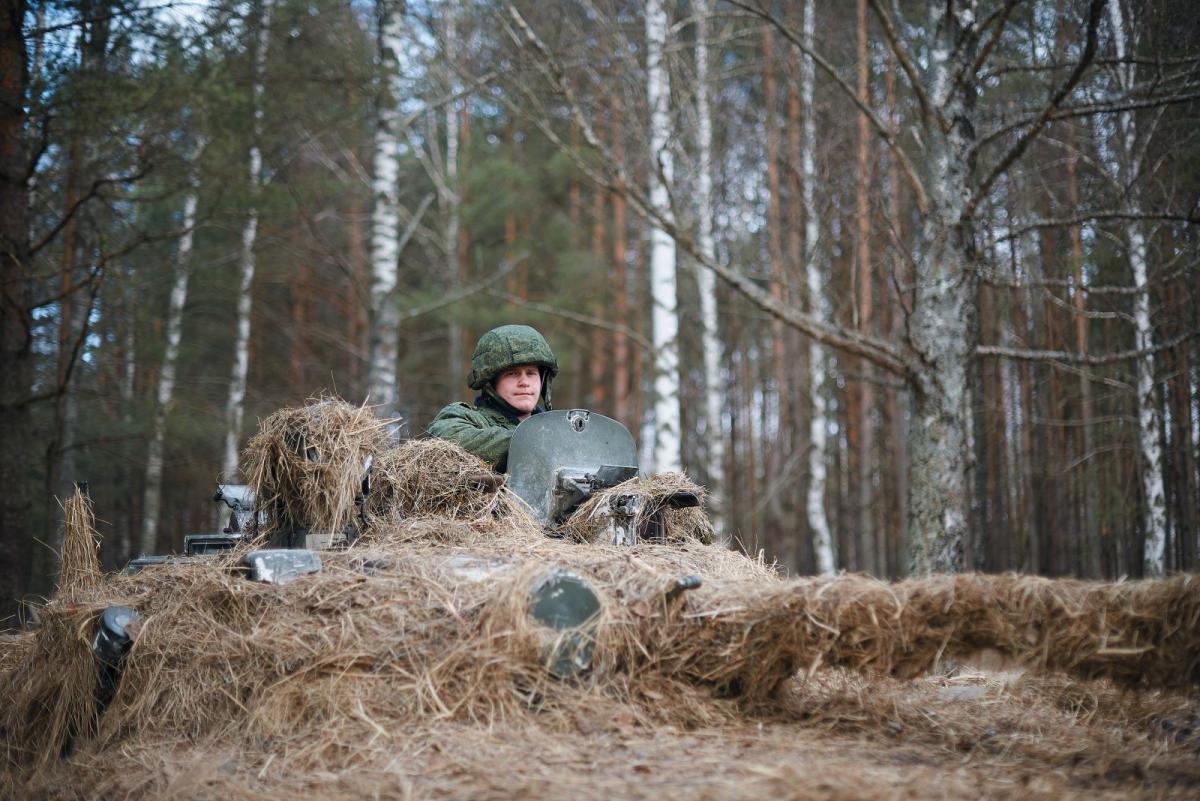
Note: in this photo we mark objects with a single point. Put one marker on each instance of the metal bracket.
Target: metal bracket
(281, 565)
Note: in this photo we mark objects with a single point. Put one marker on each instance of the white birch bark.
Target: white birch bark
(1128, 167)
(384, 322)
(818, 521)
(450, 197)
(235, 405)
(713, 402)
(665, 320)
(943, 327)
(152, 496)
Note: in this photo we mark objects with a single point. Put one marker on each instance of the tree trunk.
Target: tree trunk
(775, 254)
(621, 392)
(598, 337)
(451, 206)
(16, 317)
(1183, 446)
(869, 550)
(384, 321)
(355, 307)
(895, 403)
(667, 412)
(713, 401)
(166, 380)
(122, 546)
(818, 521)
(1088, 518)
(1149, 422)
(235, 406)
(944, 325)
(798, 551)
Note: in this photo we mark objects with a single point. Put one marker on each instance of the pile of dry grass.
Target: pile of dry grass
(415, 643)
(747, 640)
(306, 464)
(590, 522)
(49, 677)
(434, 477)
(80, 566)
(425, 627)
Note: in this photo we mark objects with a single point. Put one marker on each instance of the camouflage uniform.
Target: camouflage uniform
(485, 427)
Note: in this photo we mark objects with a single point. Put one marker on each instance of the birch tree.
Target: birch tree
(449, 186)
(384, 324)
(235, 405)
(152, 495)
(1128, 167)
(818, 306)
(713, 398)
(667, 455)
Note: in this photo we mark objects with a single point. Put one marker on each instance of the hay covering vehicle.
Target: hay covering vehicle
(558, 461)
(451, 625)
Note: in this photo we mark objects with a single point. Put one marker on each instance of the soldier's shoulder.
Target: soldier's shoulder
(457, 406)
(455, 410)
(478, 415)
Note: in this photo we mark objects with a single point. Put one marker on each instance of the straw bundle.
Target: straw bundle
(747, 640)
(434, 477)
(306, 465)
(49, 685)
(80, 566)
(589, 523)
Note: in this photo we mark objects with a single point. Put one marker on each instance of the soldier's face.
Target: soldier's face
(520, 387)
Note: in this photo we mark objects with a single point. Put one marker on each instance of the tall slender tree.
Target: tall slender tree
(16, 313)
(713, 396)
(152, 496)
(1128, 168)
(384, 322)
(235, 404)
(667, 413)
(818, 520)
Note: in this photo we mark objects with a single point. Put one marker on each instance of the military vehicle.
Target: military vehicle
(557, 461)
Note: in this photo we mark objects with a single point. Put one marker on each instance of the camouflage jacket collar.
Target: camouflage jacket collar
(488, 399)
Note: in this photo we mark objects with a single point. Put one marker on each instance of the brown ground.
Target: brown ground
(836, 736)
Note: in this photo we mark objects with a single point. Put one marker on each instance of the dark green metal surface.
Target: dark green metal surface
(566, 603)
(571, 442)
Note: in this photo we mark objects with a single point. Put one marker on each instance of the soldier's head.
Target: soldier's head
(508, 361)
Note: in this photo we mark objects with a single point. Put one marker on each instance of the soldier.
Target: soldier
(512, 368)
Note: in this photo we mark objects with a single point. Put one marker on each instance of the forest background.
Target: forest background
(909, 287)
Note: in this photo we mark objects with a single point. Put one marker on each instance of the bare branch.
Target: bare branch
(1004, 282)
(506, 267)
(1018, 149)
(1089, 109)
(1000, 16)
(931, 114)
(93, 191)
(1094, 216)
(1021, 354)
(567, 314)
(1054, 66)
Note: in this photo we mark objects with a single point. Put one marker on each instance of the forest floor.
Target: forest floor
(837, 735)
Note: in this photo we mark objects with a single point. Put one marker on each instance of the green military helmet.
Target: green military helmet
(509, 346)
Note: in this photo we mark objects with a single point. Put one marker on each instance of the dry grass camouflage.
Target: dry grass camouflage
(409, 667)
